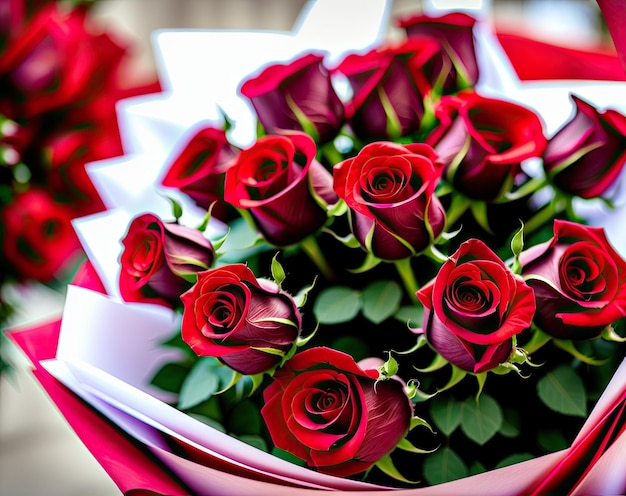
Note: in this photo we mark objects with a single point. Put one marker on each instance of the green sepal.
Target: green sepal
(278, 273)
(338, 209)
(419, 422)
(479, 212)
(177, 208)
(406, 445)
(302, 295)
(388, 369)
(569, 346)
(307, 125)
(349, 240)
(369, 263)
(227, 123)
(517, 246)
(421, 342)
(457, 376)
(302, 341)
(438, 363)
(609, 334)
(481, 379)
(278, 320)
(204, 224)
(217, 244)
(385, 464)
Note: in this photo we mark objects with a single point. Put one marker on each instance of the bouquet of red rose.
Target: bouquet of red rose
(393, 278)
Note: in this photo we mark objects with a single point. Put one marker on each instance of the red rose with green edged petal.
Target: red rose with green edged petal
(474, 307)
(455, 33)
(297, 96)
(199, 170)
(160, 260)
(579, 281)
(483, 141)
(282, 185)
(587, 155)
(248, 323)
(325, 409)
(389, 189)
(389, 84)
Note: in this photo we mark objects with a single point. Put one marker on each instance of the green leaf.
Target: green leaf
(446, 413)
(170, 377)
(552, 440)
(514, 458)
(481, 420)
(200, 384)
(285, 455)
(256, 441)
(381, 299)
(444, 465)
(563, 391)
(510, 423)
(412, 315)
(353, 346)
(476, 468)
(245, 418)
(337, 304)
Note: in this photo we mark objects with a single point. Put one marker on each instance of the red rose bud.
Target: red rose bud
(474, 307)
(199, 170)
(297, 96)
(38, 240)
(282, 185)
(389, 189)
(160, 260)
(248, 323)
(326, 410)
(587, 155)
(458, 57)
(389, 85)
(483, 141)
(579, 281)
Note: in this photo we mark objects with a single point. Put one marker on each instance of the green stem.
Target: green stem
(408, 277)
(330, 152)
(537, 340)
(314, 252)
(455, 211)
(544, 215)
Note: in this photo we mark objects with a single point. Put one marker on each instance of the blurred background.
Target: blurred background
(39, 453)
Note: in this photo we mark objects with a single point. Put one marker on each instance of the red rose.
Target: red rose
(323, 408)
(38, 240)
(160, 260)
(297, 96)
(455, 33)
(389, 189)
(279, 181)
(57, 62)
(482, 141)
(249, 324)
(65, 155)
(389, 85)
(579, 281)
(199, 170)
(474, 307)
(587, 155)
